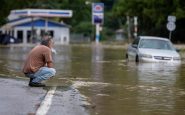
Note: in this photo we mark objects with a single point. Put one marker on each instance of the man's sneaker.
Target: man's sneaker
(32, 84)
(30, 80)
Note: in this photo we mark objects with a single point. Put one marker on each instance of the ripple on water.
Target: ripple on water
(78, 84)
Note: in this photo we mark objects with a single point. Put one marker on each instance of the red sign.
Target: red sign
(98, 8)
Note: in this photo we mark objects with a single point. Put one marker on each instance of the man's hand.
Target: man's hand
(50, 64)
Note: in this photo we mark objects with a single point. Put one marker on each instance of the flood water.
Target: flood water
(110, 84)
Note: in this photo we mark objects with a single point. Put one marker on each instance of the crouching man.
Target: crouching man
(39, 64)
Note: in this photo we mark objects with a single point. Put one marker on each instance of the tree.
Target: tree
(152, 14)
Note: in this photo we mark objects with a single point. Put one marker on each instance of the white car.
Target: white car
(152, 49)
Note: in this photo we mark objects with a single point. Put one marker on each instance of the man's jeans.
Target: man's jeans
(43, 73)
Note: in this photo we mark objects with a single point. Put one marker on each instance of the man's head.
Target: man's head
(47, 41)
(46, 35)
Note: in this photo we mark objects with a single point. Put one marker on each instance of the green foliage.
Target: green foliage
(106, 34)
(151, 13)
(83, 27)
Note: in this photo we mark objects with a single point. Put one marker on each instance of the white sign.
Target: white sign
(43, 13)
(171, 18)
(171, 26)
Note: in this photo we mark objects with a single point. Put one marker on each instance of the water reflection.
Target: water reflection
(156, 87)
(97, 58)
(62, 61)
(158, 72)
(12, 59)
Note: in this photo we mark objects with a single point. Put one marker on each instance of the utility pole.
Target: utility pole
(32, 30)
(128, 28)
(135, 26)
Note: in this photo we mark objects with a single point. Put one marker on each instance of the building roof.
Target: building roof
(42, 23)
(120, 31)
(27, 22)
(42, 13)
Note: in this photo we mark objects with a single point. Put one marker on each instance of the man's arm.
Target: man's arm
(50, 64)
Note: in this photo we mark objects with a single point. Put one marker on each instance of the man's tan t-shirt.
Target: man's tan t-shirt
(37, 58)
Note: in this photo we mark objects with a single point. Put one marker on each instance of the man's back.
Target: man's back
(37, 58)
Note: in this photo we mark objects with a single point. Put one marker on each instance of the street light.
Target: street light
(88, 2)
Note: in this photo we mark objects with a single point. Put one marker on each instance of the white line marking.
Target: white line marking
(46, 103)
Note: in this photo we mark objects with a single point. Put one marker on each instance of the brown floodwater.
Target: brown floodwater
(110, 84)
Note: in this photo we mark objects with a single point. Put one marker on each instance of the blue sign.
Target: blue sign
(98, 19)
(97, 13)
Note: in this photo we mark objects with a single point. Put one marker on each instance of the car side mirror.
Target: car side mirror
(134, 45)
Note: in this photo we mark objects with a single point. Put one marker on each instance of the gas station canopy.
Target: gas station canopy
(42, 13)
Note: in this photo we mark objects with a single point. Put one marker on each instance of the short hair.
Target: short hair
(46, 41)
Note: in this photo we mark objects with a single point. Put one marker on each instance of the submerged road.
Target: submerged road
(19, 99)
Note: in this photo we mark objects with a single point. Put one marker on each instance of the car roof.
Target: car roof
(153, 37)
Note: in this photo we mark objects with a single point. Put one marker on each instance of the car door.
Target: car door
(133, 49)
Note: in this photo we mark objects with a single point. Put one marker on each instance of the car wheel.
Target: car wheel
(126, 57)
(137, 58)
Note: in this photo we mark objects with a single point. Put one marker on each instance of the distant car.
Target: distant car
(152, 49)
(6, 39)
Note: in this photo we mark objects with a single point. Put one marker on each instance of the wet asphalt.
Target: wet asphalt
(17, 98)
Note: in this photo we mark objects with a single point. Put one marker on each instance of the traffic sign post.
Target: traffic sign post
(171, 25)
